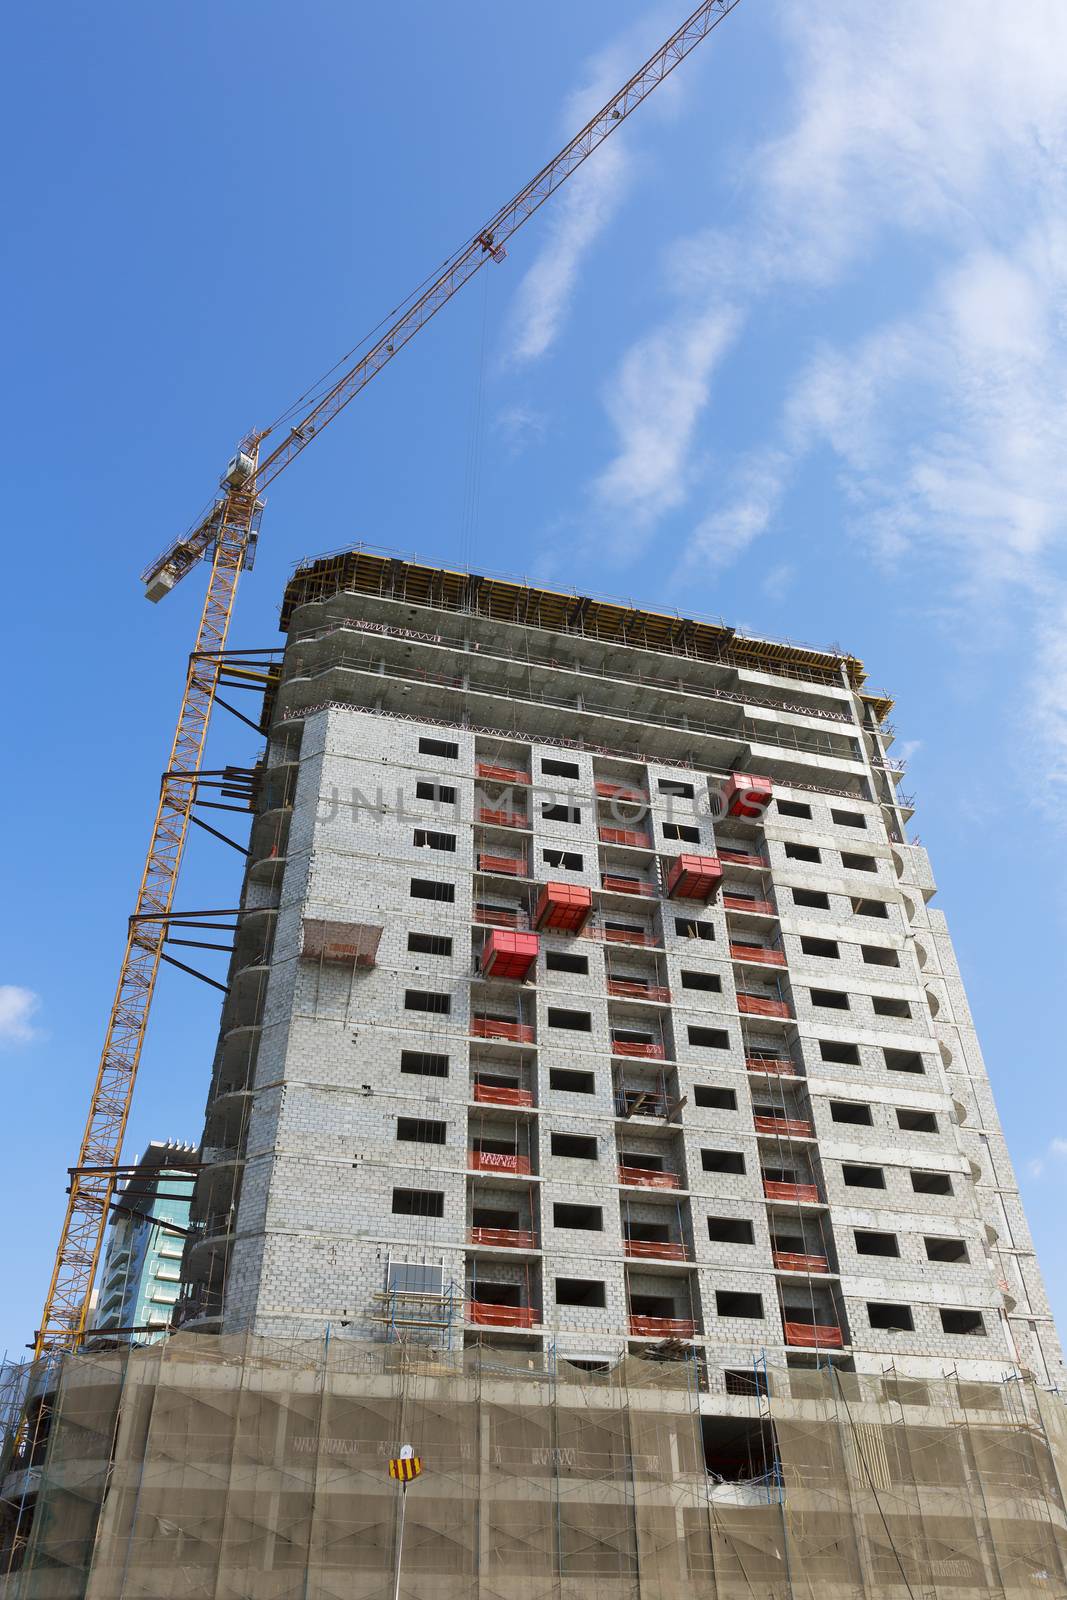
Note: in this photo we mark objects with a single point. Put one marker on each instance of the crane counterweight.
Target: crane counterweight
(160, 584)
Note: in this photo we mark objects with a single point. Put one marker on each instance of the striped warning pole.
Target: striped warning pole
(405, 1468)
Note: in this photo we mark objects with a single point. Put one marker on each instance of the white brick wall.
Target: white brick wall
(316, 1225)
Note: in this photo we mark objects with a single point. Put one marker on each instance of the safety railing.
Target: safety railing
(743, 858)
(494, 1028)
(790, 670)
(794, 1261)
(506, 866)
(485, 1314)
(496, 917)
(746, 727)
(503, 1238)
(499, 1161)
(662, 1327)
(201, 1303)
(232, 1086)
(214, 1226)
(631, 988)
(637, 1103)
(763, 955)
(493, 1094)
(814, 1335)
(628, 836)
(645, 1178)
(214, 1155)
(785, 1127)
(618, 791)
(503, 819)
(654, 1250)
(497, 774)
(614, 884)
(776, 1066)
(754, 1005)
(801, 1193)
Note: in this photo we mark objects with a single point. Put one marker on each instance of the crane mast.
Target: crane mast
(228, 531)
(89, 1200)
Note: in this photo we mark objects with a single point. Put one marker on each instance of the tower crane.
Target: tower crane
(227, 534)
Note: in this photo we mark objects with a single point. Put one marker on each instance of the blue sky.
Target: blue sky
(792, 351)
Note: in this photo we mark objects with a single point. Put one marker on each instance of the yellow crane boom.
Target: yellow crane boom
(229, 530)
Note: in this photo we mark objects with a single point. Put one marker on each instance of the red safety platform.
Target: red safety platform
(564, 906)
(747, 796)
(509, 955)
(694, 878)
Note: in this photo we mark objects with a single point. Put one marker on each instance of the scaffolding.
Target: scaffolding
(501, 599)
(245, 1469)
(420, 1316)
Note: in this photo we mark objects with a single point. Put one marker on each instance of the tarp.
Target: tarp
(235, 1468)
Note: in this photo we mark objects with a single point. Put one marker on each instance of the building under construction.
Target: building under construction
(600, 1192)
(575, 935)
(596, 1109)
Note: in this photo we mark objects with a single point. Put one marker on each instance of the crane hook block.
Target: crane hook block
(238, 472)
(497, 251)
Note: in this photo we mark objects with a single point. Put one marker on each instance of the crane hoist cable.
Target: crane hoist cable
(228, 531)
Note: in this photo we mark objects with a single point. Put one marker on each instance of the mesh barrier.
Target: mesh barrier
(68, 1474)
(232, 1468)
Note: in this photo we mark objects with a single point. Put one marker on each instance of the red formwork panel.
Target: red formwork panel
(564, 906)
(746, 795)
(509, 955)
(694, 878)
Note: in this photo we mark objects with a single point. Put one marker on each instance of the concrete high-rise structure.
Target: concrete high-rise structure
(588, 994)
(142, 1261)
(597, 1111)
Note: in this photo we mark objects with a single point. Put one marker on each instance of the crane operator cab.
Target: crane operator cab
(238, 472)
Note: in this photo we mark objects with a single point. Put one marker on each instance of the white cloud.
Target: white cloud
(654, 400)
(1048, 705)
(582, 212)
(521, 426)
(944, 423)
(1055, 1154)
(941, 132)
(18, 1007)
(756, 489)
(946, 429)
(592, 196)
(778, 582)
(907, 117)
(935, 139)
(946, 124)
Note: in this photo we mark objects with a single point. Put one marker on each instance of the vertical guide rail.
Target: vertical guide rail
(67, 1304)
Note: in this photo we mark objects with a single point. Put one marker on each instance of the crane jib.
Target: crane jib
(487, 244)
